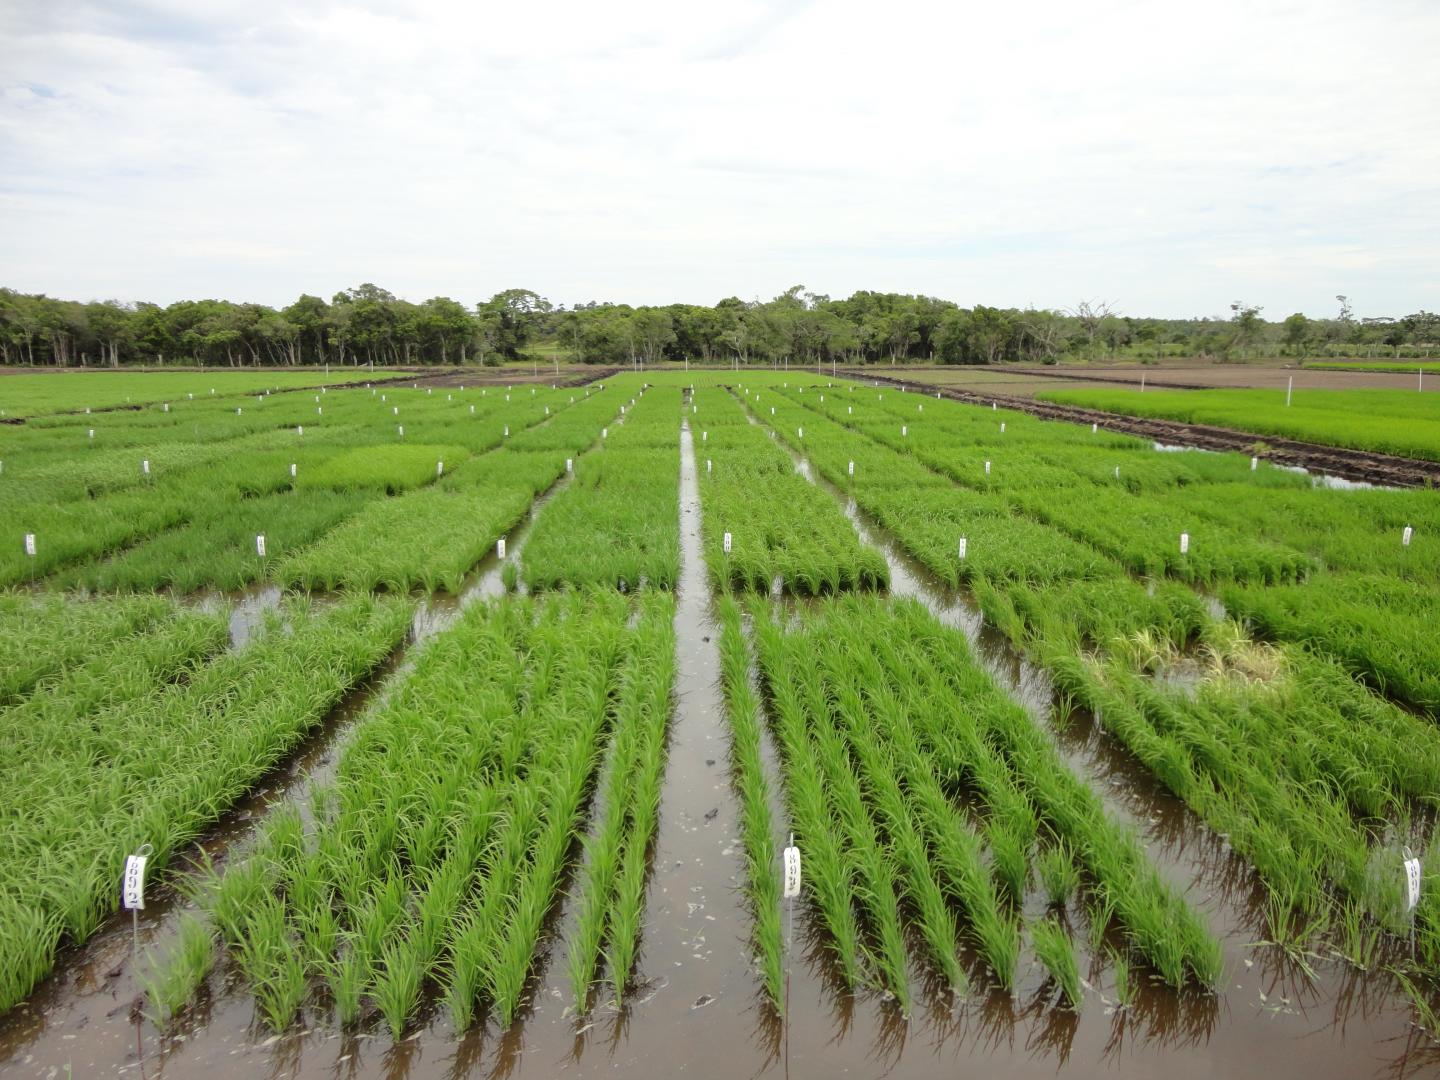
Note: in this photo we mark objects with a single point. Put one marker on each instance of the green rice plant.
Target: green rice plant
(71, 630)
(1052, 944)
(1059, 874)
(218, 547)
(757, 830)
(391, 468)
(1124, 980)
(170, 984)
(616, 524)
(781, 526)
(1391, 421)
(158, 760)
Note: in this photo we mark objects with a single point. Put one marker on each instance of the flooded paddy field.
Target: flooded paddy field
(1087, 764)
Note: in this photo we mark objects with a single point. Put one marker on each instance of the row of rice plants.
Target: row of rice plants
(618, 522)
(217, 547)
(612, 893)
(439, 850)
(757, 829)
(927, 509)
(148, 745)
(429, 538)
(780, 527)
(44, 635)
(70, 527)
(1391, 421)
(1286, 794)
(885, 724)
(34, 395)
(1374, 624)
(1383, 629)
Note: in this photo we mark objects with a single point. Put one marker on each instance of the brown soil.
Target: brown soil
(1363, 465)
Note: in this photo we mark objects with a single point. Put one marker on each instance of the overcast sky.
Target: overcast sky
(1169, 158)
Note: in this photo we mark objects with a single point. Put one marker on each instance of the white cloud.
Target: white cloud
(1171, 159)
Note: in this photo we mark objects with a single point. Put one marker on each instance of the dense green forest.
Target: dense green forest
(369, 325)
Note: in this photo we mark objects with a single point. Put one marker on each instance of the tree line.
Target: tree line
(368, 325)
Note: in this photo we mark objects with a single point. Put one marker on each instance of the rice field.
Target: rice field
(1390, 421)
(466, 727)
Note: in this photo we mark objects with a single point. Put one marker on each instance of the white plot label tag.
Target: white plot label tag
(792, 872)
(904, 430)
(30, 544)
(1412, 880)
(299, 429)
(133, 888)
(850, 469)
(92, 433)
(145, 466)
(964, 546)
(166, 407)
(987, 468)
(799, 432)
(439, 468)
(260, 544)
(292, 470)
(708, 464)
(704, 436)
(394, 410)
(1407, 536)
(1254, 463)
(500, 548)
(727, 543)
(1002, 427)
(1184, 543)
(400, 428)
(604, 433)
(569, 464)
(1094, 428)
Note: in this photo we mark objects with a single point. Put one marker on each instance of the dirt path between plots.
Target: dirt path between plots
(1363, 465)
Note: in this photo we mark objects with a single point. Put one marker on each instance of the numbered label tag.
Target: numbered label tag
(1002, 427)
(132, 891)
(1254, 463)
(727, 543)
(166, 407)
(439, 468)
(260, 545)
(704, 436)
(92, 433)
(1412, 880)
(30, 544)
(987, 468)
(299, 429)
(500, 548)
(799, 432)
(292, 470)
(1094, 428)
(145, 466)
(850, 469)
(394, 410)
(792, 872)
(904, 430)
(1184, 543)
(569, 465)
(964, 546)
(1406, 536)
(400, 428)
(604, 433)
(708, 464)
